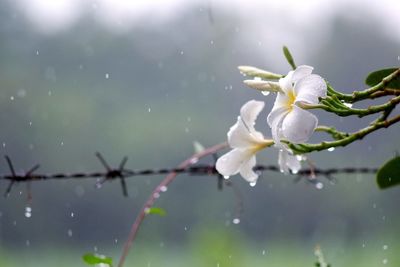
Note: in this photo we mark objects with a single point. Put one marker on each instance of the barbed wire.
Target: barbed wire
(121, 173)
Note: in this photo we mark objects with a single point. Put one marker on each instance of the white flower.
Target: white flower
(287, 160)
(245, 142)
(287, 119)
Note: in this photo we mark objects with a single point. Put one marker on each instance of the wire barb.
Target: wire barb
(14, 177)
(111, 173)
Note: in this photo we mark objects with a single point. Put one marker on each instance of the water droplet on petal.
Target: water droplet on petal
(252, 184)
(331, 149)
(226, 176)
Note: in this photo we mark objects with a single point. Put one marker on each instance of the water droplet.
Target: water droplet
(149, 109)
(252, 184)
(226, 176)
(319, 185)
(236, 221)
(69, 232)
(185, 228)
(72, 215)
(374, 205)
(4, 144)
(11, 98)
(295, 171)
(62, 143)
(331, 149)
(194, 160)
(95, 249)
(181, 52)
(37, 52)
(28, 212)
(107, 75)
(115, 240)
(385, 247)
(163, 188)
(186, 130)
(27, 243)
(212, 42)
(385, 261)
(30, 123)
(49, 93)
(156, 195)
(349, 105)
(363, 245)
(263, 252)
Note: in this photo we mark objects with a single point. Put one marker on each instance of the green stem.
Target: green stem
(327, 106)
(360, 95)
(337, 135)
(307, 148)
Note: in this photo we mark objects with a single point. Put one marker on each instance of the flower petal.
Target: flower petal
(309, 89)
(286, 82)
(250, 111)
(246, 170)
(274, 119)
(242, 136)
(298, 125)
(301, 72)
(230, 163)
(288, 161)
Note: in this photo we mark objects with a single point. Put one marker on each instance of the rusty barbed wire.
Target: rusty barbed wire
(121, 173)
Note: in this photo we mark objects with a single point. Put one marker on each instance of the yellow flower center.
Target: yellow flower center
(290, 101)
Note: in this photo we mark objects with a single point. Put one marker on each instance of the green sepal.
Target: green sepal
(289, 57)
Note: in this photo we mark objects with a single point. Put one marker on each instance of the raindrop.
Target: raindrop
(385, 261)
(374, 205)
(236, 221)
(28, 212)
(363, 245)
(181, 52)
(149, 109)
(72, 215)
(189, 119)
(4, 144)
(62, 143)
(69, 232)
(49, 93)
(95, 248)
(15, 223)
(252, 184)
(115, 240)
(11, 98)
(349, 105)
(30, 123)
(163, 188)
(263, 252)
(28, 243)
(156, 195)
(212, 42)
(107, 75)
(194, 160)
(319, 185)
(226, 176)
(385, 247)
(185, 228)
(37, 52)
(186, 130)
(331, 149)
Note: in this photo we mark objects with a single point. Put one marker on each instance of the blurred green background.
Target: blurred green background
(147, 78)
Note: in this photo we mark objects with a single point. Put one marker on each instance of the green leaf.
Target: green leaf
(93, 259)
(376, 77)
(289, 57)
(389, 174)
(157, 211)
